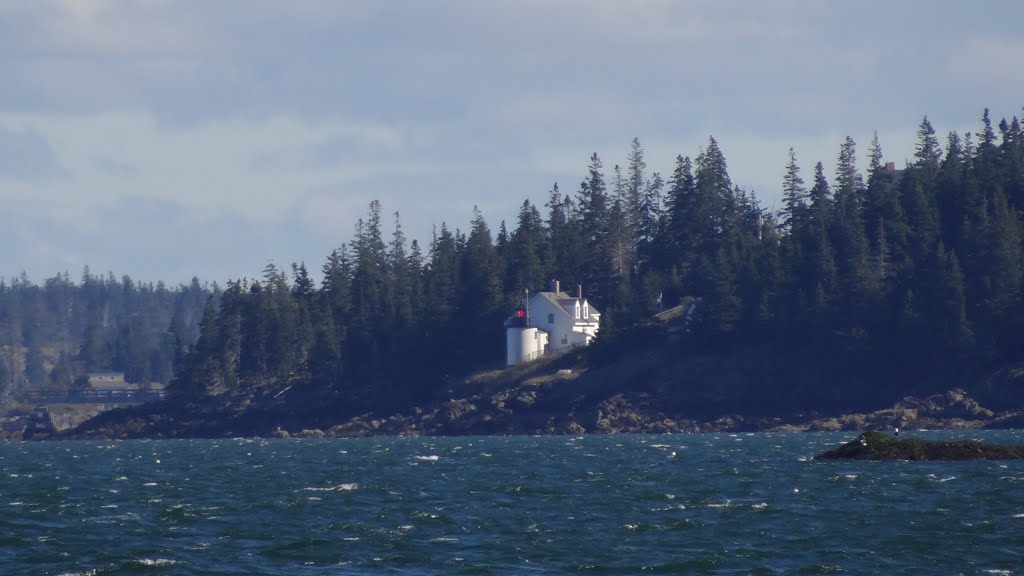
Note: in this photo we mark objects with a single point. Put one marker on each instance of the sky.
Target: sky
(168, 139)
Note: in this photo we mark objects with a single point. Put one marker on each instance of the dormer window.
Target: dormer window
(586, 310)
(577, 309)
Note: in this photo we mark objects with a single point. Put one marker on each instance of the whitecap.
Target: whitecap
(1018, 515)
(344, 487)
(431, 458)
(156, 561)
(444, 539)
(120, 478)
(150, 484)
(948, 479)
(760, 506)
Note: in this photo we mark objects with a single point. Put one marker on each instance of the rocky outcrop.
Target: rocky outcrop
(953, 410)
(510, 402)
(874, 445)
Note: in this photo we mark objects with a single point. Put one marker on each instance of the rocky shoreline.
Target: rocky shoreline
(619, 414)
(533, 409)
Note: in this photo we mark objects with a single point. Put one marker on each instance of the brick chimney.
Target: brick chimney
(890, 166)
(579, 291)
(555, 286)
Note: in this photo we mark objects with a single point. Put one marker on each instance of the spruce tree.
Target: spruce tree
(686, 216)
(848, 238)
(593, 213)
(794, 194)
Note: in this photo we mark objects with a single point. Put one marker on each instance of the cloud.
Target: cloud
(114, 166)
(149, 239)
(207, 129)
(989, 61)
(25, 154)
(328, 213)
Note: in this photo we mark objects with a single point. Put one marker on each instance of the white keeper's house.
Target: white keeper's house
(549, 321)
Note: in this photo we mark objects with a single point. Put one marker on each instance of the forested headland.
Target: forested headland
(869, 284)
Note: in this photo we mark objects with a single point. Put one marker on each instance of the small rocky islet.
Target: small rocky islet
(875, 445)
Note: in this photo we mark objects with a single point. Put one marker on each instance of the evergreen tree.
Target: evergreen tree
(638, 213)
(949, 330)
(94, 353)
(404, 278)
(481, 303)
(794, 194)
(528, 253)
(715, 195)
(370, 293)
(686, 215)
(326, 368)
(564, 237)
(818, 277)
(202, 370)
(337, 284)
(11, 358)
(593, 212)
(651, 219)
(885, 223)
(848, 238)
(927, 152)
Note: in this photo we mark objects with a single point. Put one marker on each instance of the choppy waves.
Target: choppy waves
(726, 503)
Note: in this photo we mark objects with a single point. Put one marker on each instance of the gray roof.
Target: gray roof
(568, 304)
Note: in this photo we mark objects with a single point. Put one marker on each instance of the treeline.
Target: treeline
(917, 265)
(52, 335)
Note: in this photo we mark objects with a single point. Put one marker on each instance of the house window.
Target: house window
(551, 318)
(586, 310)
(577, 309)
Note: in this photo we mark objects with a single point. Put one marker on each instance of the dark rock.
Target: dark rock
(455, 409)
(873, 445)
(953, 404)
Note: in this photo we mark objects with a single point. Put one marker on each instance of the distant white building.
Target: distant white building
(550, 321)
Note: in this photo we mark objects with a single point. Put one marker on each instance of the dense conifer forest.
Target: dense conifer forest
(868, 283)
(53, 335)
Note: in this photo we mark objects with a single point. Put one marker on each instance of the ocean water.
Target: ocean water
(672, 504)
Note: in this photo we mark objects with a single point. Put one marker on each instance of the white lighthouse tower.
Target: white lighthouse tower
(523, 342)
